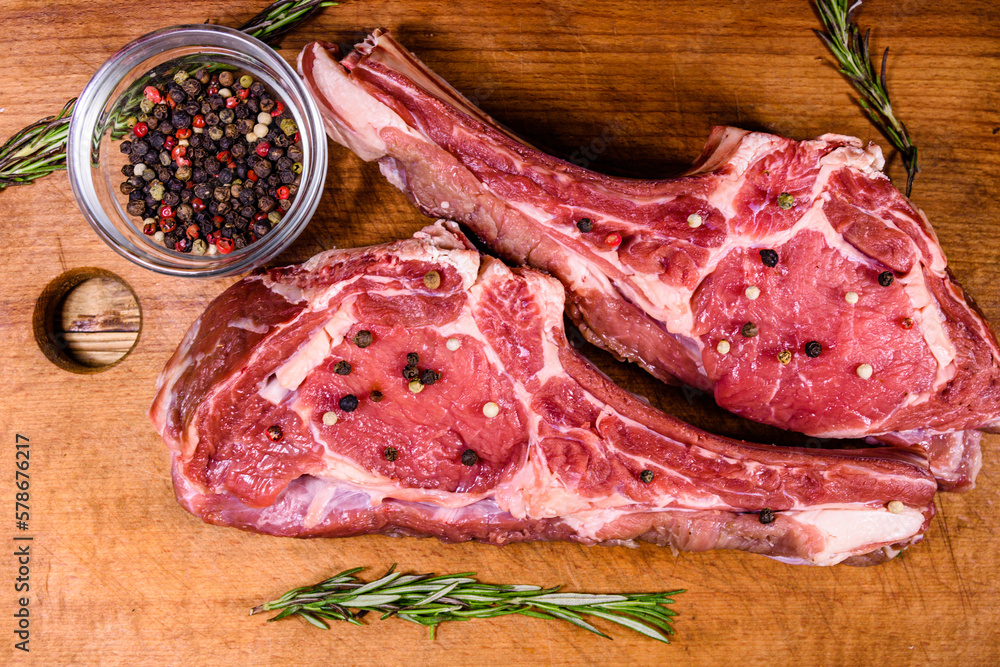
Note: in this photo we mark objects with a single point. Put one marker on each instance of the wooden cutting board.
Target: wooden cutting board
(119, 574)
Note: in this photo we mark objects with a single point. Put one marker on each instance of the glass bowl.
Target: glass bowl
(98, 125)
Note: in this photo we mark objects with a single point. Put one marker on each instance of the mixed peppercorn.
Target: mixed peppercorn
(214, 162)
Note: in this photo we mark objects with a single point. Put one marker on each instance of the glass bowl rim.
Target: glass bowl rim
(89, 111)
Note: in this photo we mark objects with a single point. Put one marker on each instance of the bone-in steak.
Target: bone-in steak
(418, 389)
(791, 278)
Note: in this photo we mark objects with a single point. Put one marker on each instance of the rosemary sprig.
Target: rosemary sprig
(280, 17)
(37, 150)
(431, 600)
(40, 149)
(850, 48)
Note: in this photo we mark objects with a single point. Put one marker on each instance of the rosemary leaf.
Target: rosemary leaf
(430, 600)
(849, 47)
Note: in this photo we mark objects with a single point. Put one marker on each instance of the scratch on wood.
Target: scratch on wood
(946, 534)
(62, 258)
(673, 89)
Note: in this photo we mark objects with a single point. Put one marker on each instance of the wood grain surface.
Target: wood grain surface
(119, 574)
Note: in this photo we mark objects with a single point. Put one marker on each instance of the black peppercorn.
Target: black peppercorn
(349, 403)
(469, 457)
(342, 368)
(429, 377)
(585, 225)
(766, 516)
(885, 278)
(646, 476)
(410, 372)
(265, 204)
(125, 147)
(390, 453)
(769, 257)
(274, 432)
(363, 338)
(261, 227)
(262, 168)
(813, 349)
(412, 358)
(191, 86)
(375, 395)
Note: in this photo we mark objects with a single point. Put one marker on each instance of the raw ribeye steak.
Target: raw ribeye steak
(416, 388)
(790, 278)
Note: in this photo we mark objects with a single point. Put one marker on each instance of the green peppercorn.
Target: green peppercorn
(375, 395)
(288, 126)
(180, 77)
(156, 190)
(246, 81)
(786, 201)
